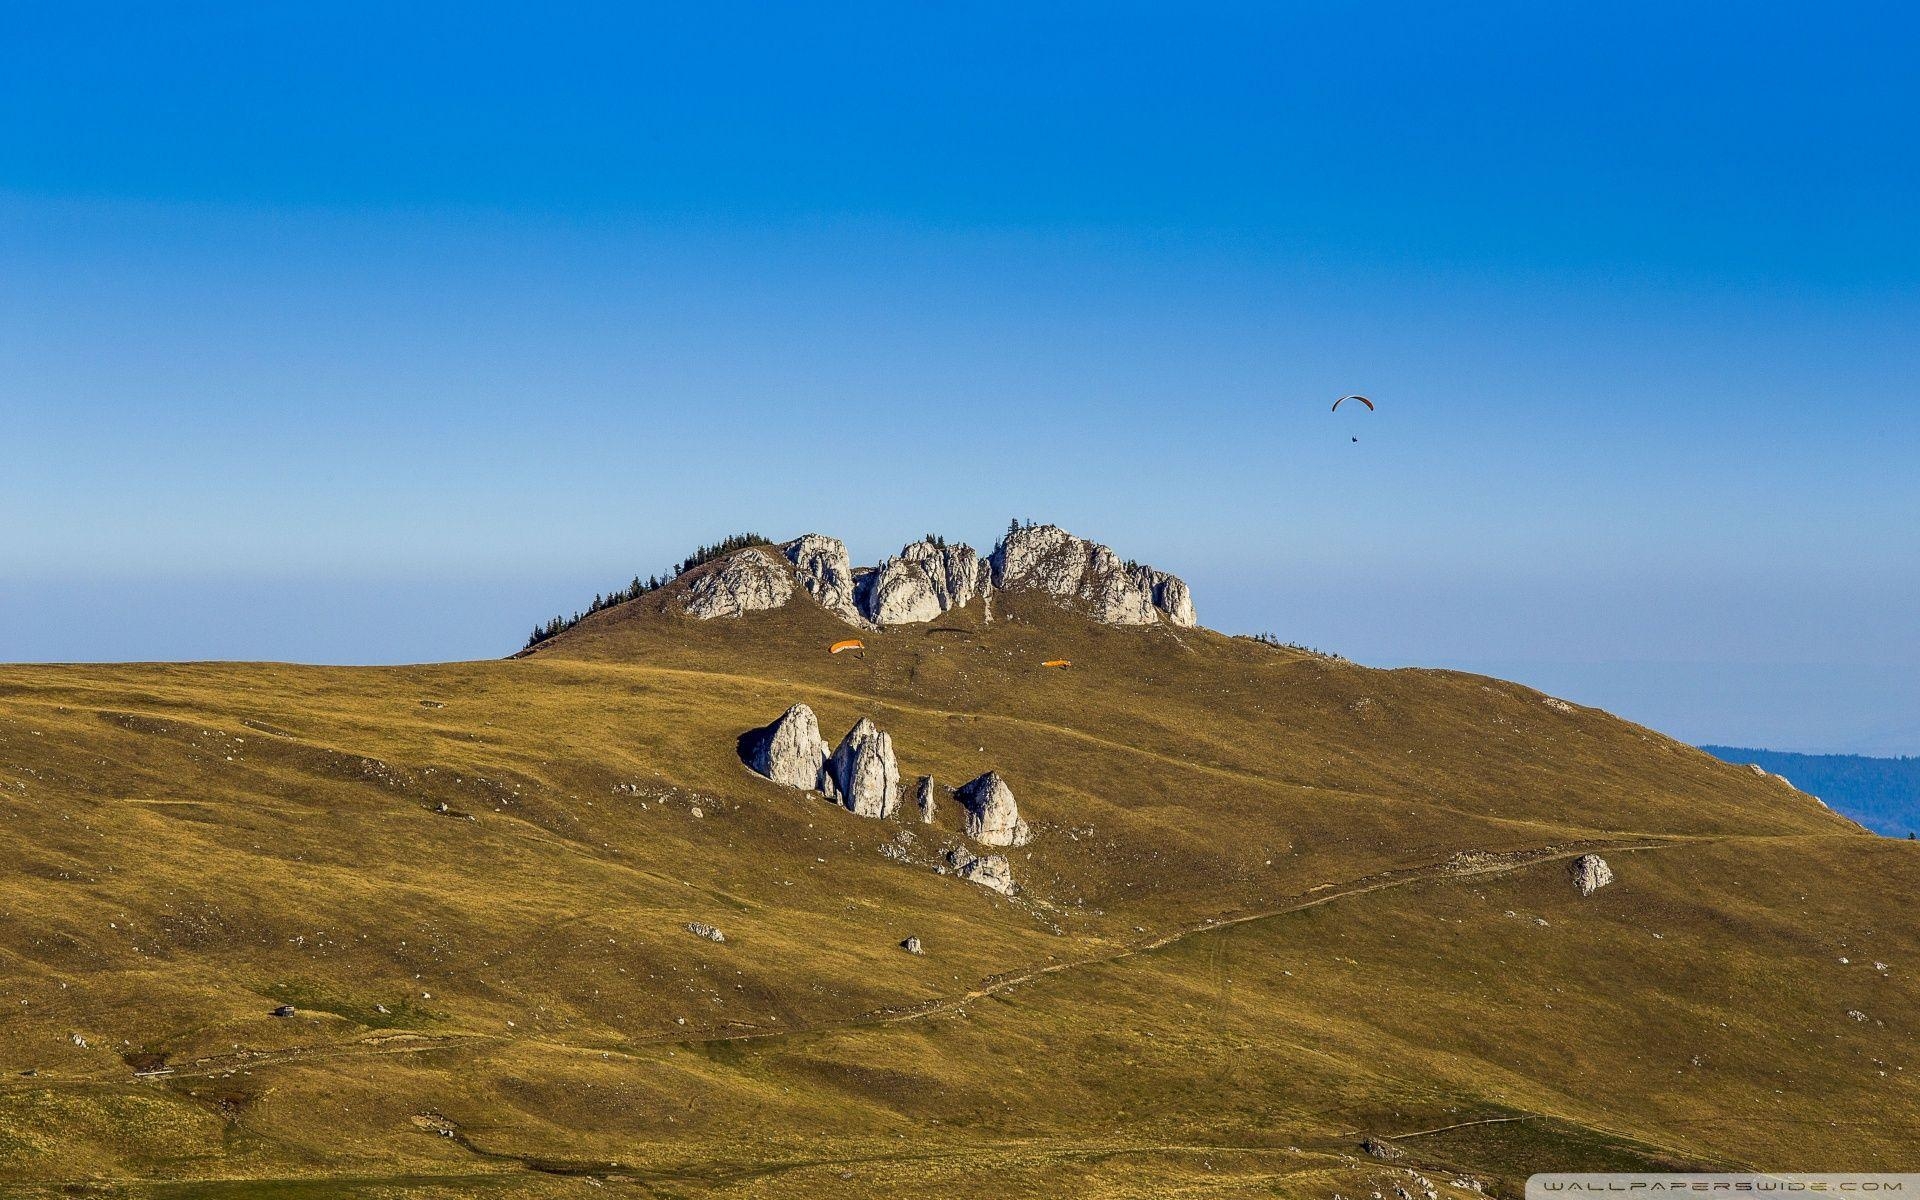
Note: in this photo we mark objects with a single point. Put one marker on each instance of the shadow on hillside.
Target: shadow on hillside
(749, 744)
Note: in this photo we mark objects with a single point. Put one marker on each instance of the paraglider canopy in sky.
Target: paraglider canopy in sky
(1344, 399)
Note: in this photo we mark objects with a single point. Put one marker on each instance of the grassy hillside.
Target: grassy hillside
(1276, 905)
(1881, 793)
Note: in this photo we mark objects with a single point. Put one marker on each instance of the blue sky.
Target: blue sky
(369, 335)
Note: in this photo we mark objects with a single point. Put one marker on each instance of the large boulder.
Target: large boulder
(865, 776)
(987, 870)
(825, 571)
(1590, 873)
(923, 799)
(745, 581)
(925, 579)
(993, 818)
(791, 750)
(1049, 560)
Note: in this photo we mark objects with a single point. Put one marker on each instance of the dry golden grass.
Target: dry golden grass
(1243, 942)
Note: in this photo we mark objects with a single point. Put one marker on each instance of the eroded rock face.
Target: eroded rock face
(931, 577)
(925, 579)
(993, 818)
(987, 870)
(1590, 873)
(824, 570)
(1172, 597)
(1041, 558)
(865, 775)
(923, 799)
(1048, 559)
(745, 581)
(1120, 594)
(791, 750)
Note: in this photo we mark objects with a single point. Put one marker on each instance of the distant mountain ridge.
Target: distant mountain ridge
(1881, 793)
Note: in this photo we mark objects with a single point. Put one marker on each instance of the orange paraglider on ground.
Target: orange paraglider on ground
(849, 644)
(1057, 662)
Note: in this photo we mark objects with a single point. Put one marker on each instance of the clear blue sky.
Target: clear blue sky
(378, 332)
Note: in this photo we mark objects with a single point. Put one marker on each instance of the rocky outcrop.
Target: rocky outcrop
(1590, 873)
(1049, 560)
(993, 818)
(791, 750)
(821, 565)
(860, 773)
(865, 776)
(912, 946)
(701, 929)
(987, 870)
(1172, 596)
(745, 581)
(931, 577)
(923, 799)
(925, 579)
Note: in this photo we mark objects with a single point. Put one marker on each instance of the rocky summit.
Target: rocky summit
(932, 576)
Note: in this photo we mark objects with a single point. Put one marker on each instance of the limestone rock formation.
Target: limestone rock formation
(1172, 596)
(791, 750)
(931, 577)
(923, 799)
(925, 579)
(745, 581)
(1590, 873)
(703, 930)
(825, 571)
(1048, 559)
(912, 946)
(987, 870)
(864, 773)
(993, 818)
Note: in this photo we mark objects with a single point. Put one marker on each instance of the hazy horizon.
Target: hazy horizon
(377, 337)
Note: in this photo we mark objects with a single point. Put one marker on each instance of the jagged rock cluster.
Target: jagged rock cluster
(1046, 558)
(925, 579)
(862, 775)
(931, 577)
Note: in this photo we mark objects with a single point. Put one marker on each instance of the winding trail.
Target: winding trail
(1457, 868)
(1454, 868)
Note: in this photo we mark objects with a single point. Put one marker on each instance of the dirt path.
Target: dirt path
(413, 1043)
(1500, 864)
